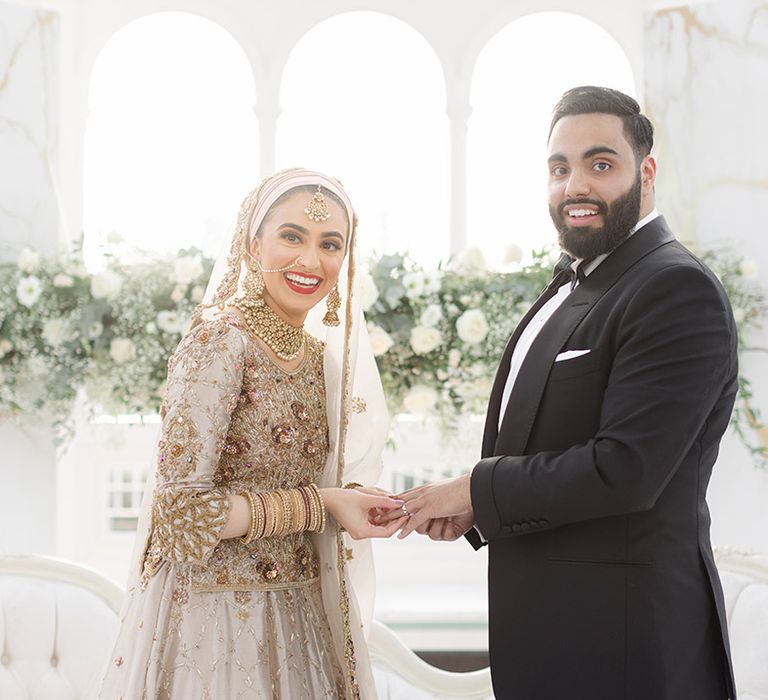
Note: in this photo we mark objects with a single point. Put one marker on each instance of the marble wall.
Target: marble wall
(706, 87)
(28, 128)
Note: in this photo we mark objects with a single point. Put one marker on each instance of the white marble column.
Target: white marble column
(707, 93)
(28, 216)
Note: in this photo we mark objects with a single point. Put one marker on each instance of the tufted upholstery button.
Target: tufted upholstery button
(516, 527)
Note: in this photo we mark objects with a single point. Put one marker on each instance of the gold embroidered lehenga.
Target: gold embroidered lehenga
(274, 618)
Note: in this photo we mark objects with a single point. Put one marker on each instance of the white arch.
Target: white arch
(363, 97)
(518, 77)
(171, 143)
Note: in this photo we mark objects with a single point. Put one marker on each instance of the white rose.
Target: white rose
(748, 269)
(431, 316)
(513, 254)
(470, 261)
(472, 326)
(56, 332)
(197, 294)
(170, 322)
(28, 290)
(369, 292)
(28, 260)
(454, 357)
(420, 399)
(186, 269)
(95, 330)
(381, 341)
(424, 339)
(178, 293)
(5, 347)
(106, 285)
(414, 283)
(62, 280)
(122, 350)
(431, 284)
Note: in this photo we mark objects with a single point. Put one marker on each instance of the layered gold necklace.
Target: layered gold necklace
(285, 340)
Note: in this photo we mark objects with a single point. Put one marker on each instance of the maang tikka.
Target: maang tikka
(317, 208)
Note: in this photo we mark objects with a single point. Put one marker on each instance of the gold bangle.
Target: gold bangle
(248, 536)
(262, 528)
(319, 521)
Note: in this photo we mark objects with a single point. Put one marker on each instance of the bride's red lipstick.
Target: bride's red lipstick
(301, 289)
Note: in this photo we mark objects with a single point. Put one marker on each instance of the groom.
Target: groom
(603, 425)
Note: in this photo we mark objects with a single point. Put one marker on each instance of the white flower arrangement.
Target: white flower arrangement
(437, 335)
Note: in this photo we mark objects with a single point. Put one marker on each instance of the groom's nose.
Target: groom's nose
(577, 184)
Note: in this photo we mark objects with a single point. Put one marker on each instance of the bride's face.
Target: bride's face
(287, 233)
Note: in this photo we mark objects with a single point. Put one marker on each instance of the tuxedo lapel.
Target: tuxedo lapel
(494, 403)
(534, 372)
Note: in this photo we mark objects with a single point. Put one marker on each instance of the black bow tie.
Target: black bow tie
(564, 271)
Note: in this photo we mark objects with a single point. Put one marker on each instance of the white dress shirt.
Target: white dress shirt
(543, 315)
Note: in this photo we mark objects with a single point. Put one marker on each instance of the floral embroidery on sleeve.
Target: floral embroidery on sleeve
(204, 382)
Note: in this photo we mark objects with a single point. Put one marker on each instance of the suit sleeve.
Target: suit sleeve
(675, 353)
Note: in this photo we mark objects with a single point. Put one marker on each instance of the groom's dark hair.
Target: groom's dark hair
(590, 99)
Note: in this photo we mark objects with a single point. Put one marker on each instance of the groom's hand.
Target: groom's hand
(436, 501)
(448, 529)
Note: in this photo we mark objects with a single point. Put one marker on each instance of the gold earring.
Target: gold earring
(333, 302)
(253, 284)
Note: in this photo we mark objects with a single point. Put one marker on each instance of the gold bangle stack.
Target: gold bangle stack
(284, 511)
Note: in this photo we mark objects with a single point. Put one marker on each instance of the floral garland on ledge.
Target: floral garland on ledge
(437, 335)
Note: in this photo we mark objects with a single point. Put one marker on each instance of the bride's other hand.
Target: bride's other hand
(356, 511)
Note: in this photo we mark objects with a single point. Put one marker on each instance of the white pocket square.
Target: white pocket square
(570, 354)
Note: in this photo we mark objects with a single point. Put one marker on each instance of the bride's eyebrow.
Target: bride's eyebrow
(298, 228)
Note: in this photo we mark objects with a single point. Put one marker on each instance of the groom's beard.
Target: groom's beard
(618, 221)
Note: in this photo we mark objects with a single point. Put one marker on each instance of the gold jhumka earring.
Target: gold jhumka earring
(333, 303)
(253, 284)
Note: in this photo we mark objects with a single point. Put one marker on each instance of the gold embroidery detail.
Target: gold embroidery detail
(188, 523)
(359, 405)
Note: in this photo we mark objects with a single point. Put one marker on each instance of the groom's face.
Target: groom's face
(597, 189)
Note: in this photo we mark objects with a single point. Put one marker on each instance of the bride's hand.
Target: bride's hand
(356, 509)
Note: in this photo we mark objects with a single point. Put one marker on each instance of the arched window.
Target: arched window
(363, 98)
(518, 78)
(172, 140)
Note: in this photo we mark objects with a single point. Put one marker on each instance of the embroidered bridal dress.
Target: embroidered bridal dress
(276, 618)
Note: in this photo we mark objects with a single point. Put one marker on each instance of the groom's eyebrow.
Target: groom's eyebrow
(597, 150)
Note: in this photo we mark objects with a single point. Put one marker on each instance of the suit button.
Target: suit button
(516, 527)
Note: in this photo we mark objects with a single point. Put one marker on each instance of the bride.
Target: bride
(240, 584)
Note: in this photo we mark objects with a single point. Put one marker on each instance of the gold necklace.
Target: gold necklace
(285, 340)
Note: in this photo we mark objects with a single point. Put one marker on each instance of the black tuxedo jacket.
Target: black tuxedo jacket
(602, 584)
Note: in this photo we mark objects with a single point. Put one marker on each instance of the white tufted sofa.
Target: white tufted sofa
(57, 620)
(745, 584)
